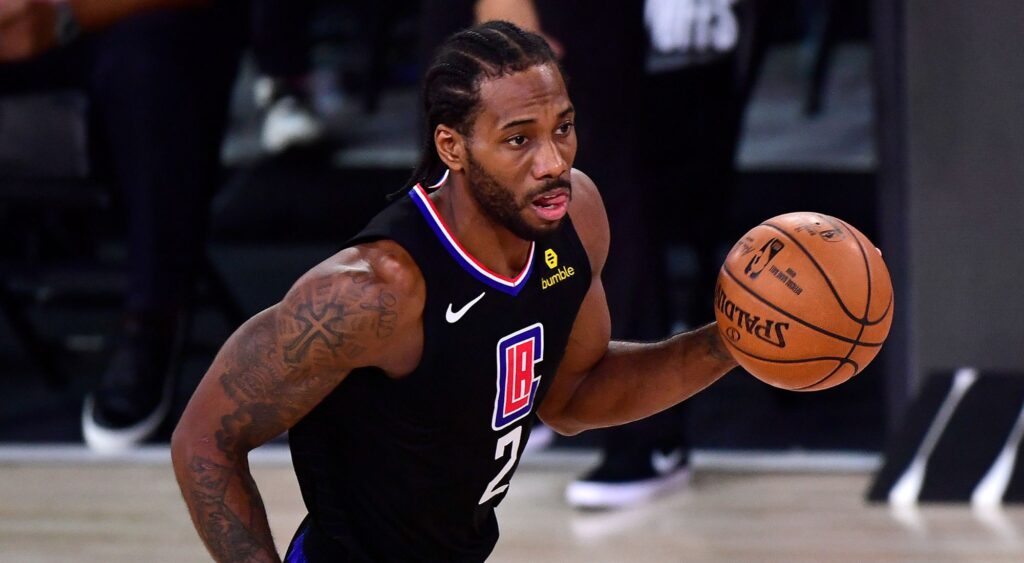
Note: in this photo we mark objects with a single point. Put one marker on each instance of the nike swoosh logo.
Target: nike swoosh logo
(453, 316)
(665, 463)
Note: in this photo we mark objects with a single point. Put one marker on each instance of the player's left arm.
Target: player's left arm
(605, 383)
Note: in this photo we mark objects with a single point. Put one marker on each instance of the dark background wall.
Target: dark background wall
(965, 171)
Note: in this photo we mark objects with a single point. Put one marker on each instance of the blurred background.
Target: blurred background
(903, 118)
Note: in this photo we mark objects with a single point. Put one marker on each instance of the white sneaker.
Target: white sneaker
(290, 123)
(110, 440)
(129, 406)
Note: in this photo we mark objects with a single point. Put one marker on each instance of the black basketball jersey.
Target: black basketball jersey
(411, 469)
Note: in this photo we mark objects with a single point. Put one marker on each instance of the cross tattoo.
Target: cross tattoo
(323, 326)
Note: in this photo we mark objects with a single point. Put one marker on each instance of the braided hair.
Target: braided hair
(451, 85)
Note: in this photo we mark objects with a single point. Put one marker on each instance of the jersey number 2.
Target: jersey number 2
(510, 440)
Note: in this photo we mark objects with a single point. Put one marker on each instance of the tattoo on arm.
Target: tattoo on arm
(325, 327)
(229, 537)
(237, 529)
(386, 317)
(282, 367)
(330, 320)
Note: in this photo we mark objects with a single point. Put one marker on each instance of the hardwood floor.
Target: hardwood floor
(120, 511)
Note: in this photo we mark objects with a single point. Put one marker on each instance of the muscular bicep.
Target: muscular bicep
(281, 363)
(251, 393)
(588, 343)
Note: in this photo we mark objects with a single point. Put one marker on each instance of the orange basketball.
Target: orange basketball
(804, 301)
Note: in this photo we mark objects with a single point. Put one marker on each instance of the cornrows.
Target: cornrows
(451, 85)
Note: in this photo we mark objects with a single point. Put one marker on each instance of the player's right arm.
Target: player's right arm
(361, 308)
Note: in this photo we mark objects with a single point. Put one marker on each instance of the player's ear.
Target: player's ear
(451, 147)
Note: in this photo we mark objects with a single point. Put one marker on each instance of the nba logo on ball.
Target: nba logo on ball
(811, 308)
(518, 355)
(763, 257)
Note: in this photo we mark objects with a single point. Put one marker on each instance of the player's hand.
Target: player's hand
(27, 28)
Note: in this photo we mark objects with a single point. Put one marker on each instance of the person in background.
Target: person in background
(282, 46)
(158, 119)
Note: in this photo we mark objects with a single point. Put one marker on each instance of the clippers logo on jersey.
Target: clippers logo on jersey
(518, 355)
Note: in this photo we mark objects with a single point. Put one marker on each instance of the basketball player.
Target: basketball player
(409, 367)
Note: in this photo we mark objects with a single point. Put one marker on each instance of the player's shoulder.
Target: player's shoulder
(360, 307)
(589, 218)
(584, 191)
(371, 271)
(385, 261)
(382, 262)
(363, 307)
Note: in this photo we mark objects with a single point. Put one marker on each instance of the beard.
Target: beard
(498, 202)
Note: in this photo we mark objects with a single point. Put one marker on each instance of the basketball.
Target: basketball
(804, 301)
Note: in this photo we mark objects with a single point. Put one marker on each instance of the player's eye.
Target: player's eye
(516, 140)
(564, 128)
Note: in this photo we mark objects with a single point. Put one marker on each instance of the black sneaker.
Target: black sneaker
(626, 479)
(136, 390)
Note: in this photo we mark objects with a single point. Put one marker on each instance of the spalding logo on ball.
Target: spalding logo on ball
(804, 301)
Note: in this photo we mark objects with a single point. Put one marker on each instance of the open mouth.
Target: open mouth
(552, 205)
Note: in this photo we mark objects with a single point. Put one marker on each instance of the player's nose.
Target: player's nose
(550, 162)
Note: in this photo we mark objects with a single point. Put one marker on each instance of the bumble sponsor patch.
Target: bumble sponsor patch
(560, 275)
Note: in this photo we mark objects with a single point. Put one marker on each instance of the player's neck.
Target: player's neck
(493, 245)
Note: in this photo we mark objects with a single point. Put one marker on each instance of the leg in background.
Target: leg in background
(160, 92)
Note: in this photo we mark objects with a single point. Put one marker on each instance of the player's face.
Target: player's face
(521, 151)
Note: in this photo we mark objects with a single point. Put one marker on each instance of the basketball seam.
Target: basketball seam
(867, 307)
(867, 265)
(839, 337)
(885, 314)
(821, 270)
(842, 361)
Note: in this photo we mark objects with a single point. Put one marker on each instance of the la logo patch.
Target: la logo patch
(518, 355)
